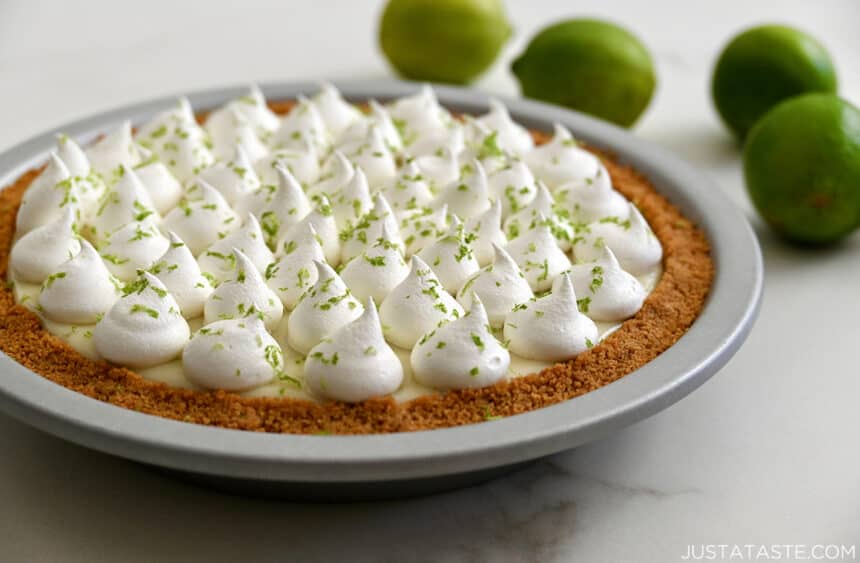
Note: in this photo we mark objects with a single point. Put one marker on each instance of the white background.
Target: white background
(767, 452)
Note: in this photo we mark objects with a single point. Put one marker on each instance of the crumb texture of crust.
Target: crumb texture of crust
(667, 313)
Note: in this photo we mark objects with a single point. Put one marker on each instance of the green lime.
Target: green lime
(802, 168)
(592, 66)
(443, 40)
(764, 66)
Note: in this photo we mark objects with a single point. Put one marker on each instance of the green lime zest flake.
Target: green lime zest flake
(49, 281)
(140, 234)
(488, 414)
(539, 314)
(474, 371)
(303, 276)
(589, 343)
(229, 258)
(160, 132)
(370, 351)
(441, 344)
(274, 357)
(597, 279)
(271, 270)
(490, 146)
(137, 286)
(545, 273)
(142, 211)
(290, 246)
(270, 224)
(375, 260)
(582, 304)
(327, 361)
(477, 341)
(138, 308)
(114, 259)
(287, 378)
(462, 188)
(617, 221)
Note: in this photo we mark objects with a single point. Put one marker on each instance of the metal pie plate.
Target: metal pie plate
(334, 468)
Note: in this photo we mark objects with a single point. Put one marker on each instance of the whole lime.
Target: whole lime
(802, 168)
(763, 66)
(443, 40)
(592, 66)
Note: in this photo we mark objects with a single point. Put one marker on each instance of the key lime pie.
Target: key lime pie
(314, 265)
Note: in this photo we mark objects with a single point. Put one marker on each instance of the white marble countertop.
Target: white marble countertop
(765, 453)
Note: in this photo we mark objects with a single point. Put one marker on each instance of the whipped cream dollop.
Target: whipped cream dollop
(235, 132)
(127, 201)
(482, 144)
(73, 156)
(134, 246)
(336, 113)
(410, 190)
(284, 208)
(41, 251)
(303, 163)
(513, 185)
(336, 172)
(249, 110)
(441, 169)
(202, 217)
(165, 123)
(163, 188)
(112, 151)
(377, 271)
(468, 195)
(234, 179)
(46, 199)
(182, 146)
(543, 205)
(368, 230)
(421, 227)
(81, 290)
(302, 123)
(218, 259)
(143, 328)
(378, 118)
(607, 293)
(632, 241)
(501, 286)
(295, 272)
(354, 363)
(324, 308)
(451, 257)
(461, 354)
(550, 328)
(321, 218)
(245, 294)
(416, 306)
(511, 136)
(180, 273)
(593, 198)
(486, 229)
(351, 201)
(562, 160)
(232, 354)
(374, 157)
(538, 255)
